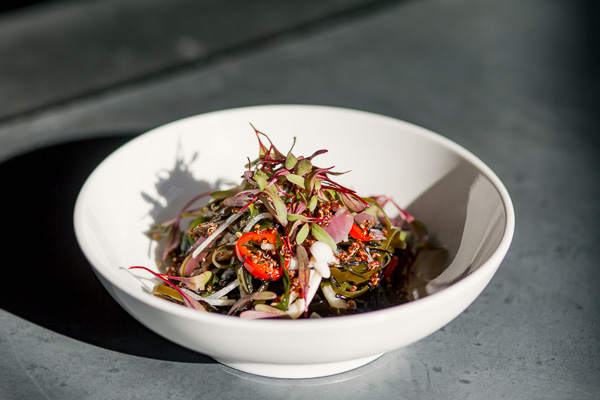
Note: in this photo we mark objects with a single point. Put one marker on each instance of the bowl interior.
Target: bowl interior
(462, 203)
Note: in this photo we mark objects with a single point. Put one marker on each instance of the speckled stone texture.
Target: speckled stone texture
(516, 82)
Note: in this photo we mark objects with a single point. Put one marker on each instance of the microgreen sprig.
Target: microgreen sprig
(291, 189)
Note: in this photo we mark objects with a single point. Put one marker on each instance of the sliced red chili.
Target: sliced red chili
(260, 266)
(359, 234)
(387, 272)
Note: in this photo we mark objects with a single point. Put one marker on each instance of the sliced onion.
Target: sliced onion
(340, 225)
(216, 233)
(209, 300)
(299, 306)
(267, 246)
(332, 299)
(293, 264)
(364, 216)
(223, 292)
(296, 309)
(253, 314)
(293, 296)
(377, 234)
(313, 285)
(321, 268)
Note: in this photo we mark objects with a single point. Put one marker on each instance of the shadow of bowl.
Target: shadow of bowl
(60, 291)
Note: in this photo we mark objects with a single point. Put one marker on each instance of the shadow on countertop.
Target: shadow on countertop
(50, 282)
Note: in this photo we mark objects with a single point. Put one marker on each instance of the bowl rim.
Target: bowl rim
(489, 267)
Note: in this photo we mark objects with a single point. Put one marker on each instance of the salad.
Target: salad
(288, 242)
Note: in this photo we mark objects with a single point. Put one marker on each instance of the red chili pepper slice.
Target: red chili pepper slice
(387, 272)
(259, 268)
(359, 234)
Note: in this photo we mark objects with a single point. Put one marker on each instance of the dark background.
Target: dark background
(516, 82)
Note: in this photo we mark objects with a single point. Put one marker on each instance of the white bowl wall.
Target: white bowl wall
(462, 202)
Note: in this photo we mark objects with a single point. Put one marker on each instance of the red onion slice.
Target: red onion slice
(340, 225)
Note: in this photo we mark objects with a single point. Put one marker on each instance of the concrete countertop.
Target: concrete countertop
(516, 82)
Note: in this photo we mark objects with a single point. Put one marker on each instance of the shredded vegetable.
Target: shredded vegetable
(288, 242)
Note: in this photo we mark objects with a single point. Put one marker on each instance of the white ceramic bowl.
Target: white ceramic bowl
(462, 202)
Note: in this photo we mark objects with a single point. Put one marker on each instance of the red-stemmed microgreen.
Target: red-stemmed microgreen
(383, 200)
(255, 296)
(299, 202)
(303, 269)
(175, 233)
(189, 301)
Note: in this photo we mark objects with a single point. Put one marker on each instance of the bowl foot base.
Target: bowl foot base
(298, 371)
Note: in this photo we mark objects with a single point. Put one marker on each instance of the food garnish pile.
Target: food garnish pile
(288, 242)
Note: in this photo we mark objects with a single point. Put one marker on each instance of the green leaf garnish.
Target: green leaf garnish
(291, 199)
(279, 211)
(252, 297)
(262, 182)
(303, 233)
(313, 203)
(303, 167)
(290, 161)
(296, 217)
(295, 179)
(319, 233)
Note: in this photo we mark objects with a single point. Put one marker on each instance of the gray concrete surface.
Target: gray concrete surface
(87, 47)
(515, 82)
